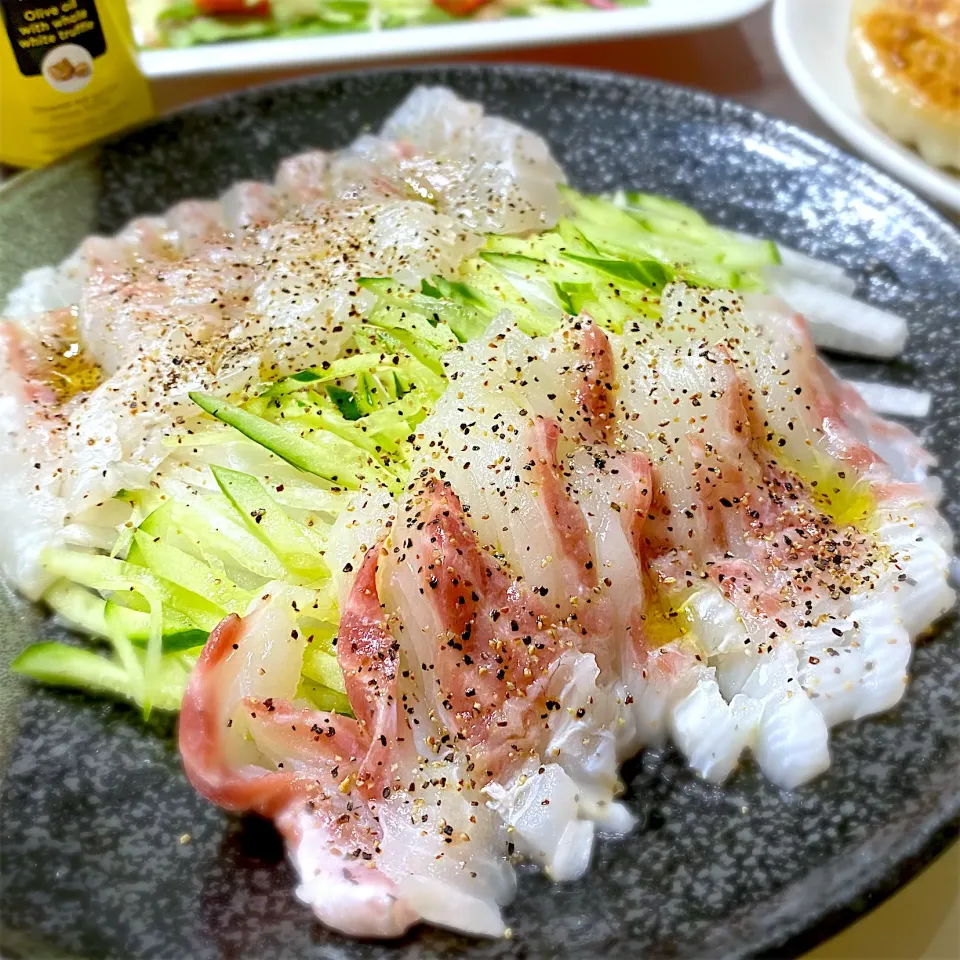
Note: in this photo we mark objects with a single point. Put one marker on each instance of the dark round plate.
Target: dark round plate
(95, 804)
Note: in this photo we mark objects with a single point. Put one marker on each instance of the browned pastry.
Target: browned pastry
(905, 59)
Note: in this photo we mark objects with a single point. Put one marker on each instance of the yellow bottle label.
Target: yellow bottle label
(68, 76)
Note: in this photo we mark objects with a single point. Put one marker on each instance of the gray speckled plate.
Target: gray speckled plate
(94, 801)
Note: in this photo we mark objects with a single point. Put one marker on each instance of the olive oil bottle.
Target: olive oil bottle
(68, 76)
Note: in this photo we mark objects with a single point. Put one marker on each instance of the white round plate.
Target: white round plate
(811, 38)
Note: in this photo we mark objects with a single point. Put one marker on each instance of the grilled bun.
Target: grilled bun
(905, 59)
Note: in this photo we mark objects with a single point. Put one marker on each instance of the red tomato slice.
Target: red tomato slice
(234, 8)
(459, 8)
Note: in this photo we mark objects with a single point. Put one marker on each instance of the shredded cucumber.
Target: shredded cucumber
(323, 698)
(248, 499)
(322, 668)
(78, 607)
(323, 454)
(214, 531)
(84, 610)
(191, 574)
(179, 633)
(128, 581)
(62, 665)
(264, 518)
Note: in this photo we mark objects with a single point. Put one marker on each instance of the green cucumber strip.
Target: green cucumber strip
(535, 272)
(366, 464)
(61, 665)
(336, 370)
(441, 314)
(564, 290)
(301, 493)
(78, 606)
(424, 322)
(85, 611)
(458, 291)
(266, 520)
(574, 239)
(179, 633)
(415, 364)
(598, 211)
(180, 568)
(711, 242)
(696, 265)
(143, 544)
(395, 414)
(353, 431)
(519, 261)
(277, 409)
(701, 258)
(298, 381)
(142, 503)
(155, 523)
(665, 207)
(679, 228)
(542, 246)
(605, 225)
(749, 255)
(647, 273)
(345, 401)
(609, 310)
(124, 541)
(145, 500)
(158, 521)
(365, 399)
(491, 284)
(170, 682)
(203, 614)
(387, 382)
(589, 285)
(327, 457)
(319, 634)
(381, 286)
(102, 573)
(322, 668)
(106, 573)
(400, 298)
(215, 528)
(464, 322)
(323, 698)
(371, 392)
(361, 363)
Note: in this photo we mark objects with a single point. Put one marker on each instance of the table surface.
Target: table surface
(922, 921)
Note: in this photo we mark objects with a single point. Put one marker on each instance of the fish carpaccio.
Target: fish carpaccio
(689, 529)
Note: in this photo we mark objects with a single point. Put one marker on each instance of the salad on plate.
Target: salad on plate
(186, 23)
(429, 489)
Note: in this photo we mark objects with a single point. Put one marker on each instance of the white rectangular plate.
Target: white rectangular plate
(660, 16)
